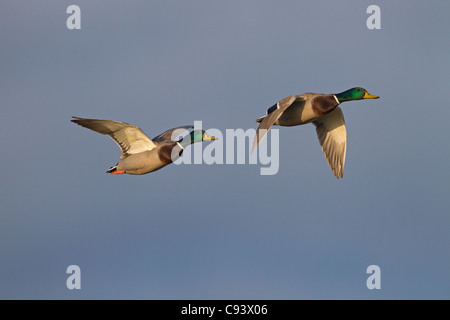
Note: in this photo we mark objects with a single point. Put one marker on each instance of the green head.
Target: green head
(195, 136)
(354, 94)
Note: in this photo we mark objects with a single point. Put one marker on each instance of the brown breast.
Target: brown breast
(165, 152)
(324, 104)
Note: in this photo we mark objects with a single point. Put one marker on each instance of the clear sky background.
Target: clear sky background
(223, 231)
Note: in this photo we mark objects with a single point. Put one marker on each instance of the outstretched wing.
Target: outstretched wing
(273, 114)
(130, 138)
(170, 134)
(333, 139)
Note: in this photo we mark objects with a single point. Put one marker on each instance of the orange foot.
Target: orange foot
(118, 172)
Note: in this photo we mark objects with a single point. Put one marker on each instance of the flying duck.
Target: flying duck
(140, 154)
(323, 111)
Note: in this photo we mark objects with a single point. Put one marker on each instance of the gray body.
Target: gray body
(302, 109)
(149, 161)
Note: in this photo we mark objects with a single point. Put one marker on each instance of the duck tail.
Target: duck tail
(112, 169)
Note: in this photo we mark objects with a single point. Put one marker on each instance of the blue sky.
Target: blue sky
(223, 231)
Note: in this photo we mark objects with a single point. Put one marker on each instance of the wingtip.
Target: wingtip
(338, 175)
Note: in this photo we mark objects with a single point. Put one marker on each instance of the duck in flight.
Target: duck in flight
(140, 154)
(320, 109)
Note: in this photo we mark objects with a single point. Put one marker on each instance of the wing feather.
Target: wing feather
(268, 121)
(130, 139)
(333, 139)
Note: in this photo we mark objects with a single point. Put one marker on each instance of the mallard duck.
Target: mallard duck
(323, 111)
(140, 154)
